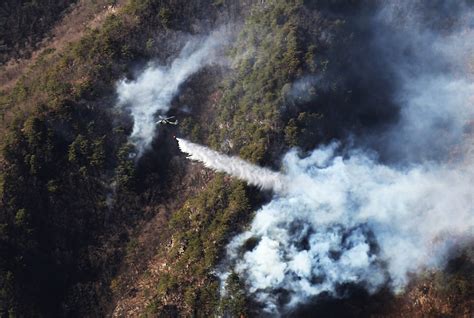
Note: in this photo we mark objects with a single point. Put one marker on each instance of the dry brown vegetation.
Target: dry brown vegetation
(141, 239)
(83, 15)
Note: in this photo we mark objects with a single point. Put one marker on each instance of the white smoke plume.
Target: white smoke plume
(338, 221)
(254, 175)
(350, 219)
(152, 92)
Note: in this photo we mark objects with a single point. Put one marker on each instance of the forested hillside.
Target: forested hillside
(24, 23)
(90, 227)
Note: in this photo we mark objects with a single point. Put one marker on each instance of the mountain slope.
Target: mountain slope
(91, 230)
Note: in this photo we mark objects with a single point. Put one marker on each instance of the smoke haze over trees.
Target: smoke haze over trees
(336, 138)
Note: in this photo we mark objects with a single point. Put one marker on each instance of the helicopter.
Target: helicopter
(167, 120)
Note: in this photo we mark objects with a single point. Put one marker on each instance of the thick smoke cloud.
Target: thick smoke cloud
(352, 221)
(350, 218)
(347, 217)
(343, 221)
(153, 90)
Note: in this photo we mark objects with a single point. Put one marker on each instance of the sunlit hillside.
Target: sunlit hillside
(236, 158)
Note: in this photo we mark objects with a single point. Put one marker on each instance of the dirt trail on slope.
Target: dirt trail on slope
(84, 15)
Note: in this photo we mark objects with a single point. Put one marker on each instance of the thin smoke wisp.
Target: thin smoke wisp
(254, 175)
(154, 89)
